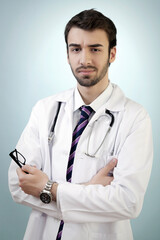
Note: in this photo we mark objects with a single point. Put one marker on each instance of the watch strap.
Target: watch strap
(48, 185)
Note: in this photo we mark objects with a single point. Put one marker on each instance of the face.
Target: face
(88, 56)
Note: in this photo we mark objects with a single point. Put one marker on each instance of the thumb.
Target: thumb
(29, 169)
(112, 164)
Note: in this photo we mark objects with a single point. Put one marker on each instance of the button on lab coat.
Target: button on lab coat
(94, 211)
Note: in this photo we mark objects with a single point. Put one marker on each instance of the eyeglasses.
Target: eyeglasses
(18, 158)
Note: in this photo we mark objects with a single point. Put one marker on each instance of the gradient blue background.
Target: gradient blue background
(33, 65)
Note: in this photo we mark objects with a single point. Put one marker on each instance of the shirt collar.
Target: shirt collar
(77, 100)
(97, 103)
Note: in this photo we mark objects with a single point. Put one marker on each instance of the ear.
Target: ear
(112, 54)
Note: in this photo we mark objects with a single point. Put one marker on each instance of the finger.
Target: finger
(110, 166)
(110, 180)
(33, 166)
(21, 175)
(28, 169)
(19, 172)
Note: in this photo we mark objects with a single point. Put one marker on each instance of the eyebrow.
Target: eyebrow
(91, 45)
(96, 45)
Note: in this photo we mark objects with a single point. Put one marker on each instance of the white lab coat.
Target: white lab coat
(89, 212)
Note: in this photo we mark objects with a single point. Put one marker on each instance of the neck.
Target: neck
(89, 94)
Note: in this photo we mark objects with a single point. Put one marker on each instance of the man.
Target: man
(95, 171)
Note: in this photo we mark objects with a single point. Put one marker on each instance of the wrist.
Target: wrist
(54, 191)
(48, 194)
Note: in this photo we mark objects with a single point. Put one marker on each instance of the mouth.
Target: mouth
(85, 71)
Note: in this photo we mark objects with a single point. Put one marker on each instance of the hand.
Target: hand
(103, 177)
(32, 183)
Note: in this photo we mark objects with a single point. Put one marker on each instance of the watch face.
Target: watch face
(45, 197)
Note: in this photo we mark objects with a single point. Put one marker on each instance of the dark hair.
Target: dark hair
(91, 20)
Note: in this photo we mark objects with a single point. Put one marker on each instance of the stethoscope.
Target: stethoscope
(107, 132)
(51, 134)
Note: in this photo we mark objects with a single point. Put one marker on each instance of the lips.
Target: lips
(86, 70)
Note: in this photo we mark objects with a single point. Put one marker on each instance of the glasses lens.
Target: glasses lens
(21, 158)
(18, 157)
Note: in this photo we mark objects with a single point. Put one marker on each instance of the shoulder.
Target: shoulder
(130, 107)
(135, 110)
(51, 101)
(135, 116)
(132, 117)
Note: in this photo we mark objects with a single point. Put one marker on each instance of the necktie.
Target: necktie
(83, 121)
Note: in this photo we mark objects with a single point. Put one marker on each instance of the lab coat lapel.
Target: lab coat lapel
(115, 103)
(67, 98)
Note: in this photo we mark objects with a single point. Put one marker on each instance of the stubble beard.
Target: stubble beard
(87, 80)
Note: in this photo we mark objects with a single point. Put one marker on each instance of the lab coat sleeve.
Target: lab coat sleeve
(123, 199)
(29, 146)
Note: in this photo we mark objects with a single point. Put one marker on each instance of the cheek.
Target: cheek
(68, 59)
(73, 61)
(99, 61)
(97, 64)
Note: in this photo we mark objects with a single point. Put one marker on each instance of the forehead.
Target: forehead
(84, 37)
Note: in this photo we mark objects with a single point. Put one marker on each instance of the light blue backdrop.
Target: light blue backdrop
(33, 65)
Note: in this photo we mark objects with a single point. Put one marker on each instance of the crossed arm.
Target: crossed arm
(34, 182)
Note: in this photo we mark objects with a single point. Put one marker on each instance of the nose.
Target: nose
(85, 58)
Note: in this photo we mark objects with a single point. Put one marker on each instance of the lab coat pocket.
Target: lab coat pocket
(85, 167)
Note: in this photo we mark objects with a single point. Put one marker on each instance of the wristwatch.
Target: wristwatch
(46, 195)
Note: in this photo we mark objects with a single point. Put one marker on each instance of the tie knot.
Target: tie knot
(86, 111)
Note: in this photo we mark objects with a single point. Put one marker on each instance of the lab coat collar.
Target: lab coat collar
(115, 103)
(65, 96)
(97, 103)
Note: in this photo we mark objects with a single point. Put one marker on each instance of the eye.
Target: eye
(95, 49)
(76, 50)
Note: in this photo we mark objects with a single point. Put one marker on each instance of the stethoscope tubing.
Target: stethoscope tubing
(108, 130)
(112, 117)
(51, 134)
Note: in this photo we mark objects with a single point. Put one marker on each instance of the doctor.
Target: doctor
(93, 190)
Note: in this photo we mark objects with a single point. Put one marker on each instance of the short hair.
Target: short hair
(91, 20)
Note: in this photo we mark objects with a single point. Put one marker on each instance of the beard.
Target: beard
(87, 80)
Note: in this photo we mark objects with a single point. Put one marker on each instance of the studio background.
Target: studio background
(33, 65)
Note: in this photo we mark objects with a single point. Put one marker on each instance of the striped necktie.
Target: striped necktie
(85, 113)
